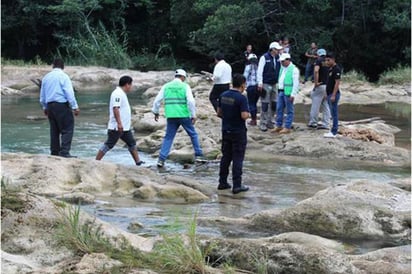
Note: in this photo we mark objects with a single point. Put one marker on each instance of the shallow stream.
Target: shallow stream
(273, 184)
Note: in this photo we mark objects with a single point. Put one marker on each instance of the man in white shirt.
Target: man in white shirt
(288, 88)
(267, 77)
(119, 126)
(222, 77)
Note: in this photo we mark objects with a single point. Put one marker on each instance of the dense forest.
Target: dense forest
(367, 35)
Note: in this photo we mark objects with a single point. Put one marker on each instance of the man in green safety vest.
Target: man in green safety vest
(180, 110)
(288, 88)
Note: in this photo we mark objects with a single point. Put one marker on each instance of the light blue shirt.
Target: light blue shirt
(56, 86)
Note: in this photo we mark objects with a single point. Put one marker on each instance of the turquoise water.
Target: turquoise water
(273, 185)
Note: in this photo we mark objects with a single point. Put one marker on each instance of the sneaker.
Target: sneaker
(237, 190)
(329, 135)
(200, 159)
(263, 128)
(160, 163)
(224, 186)
(285, 131)
(313, 126)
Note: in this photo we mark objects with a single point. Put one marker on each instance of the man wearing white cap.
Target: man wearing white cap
(267, 77)
(180, 110)
(288, 88)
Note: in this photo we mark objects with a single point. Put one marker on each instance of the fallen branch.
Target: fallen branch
(362, 121)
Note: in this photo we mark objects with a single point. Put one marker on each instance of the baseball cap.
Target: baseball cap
(275, 45)
(180, 72)
(284, 56)
(252, 56)
(321, 52)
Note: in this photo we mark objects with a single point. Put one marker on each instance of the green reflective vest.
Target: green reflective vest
(288, 81)
(175, 100)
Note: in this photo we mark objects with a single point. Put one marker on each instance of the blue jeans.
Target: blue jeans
(173, 125)
(309, 71)
(233, 150)
(252, 97)
(284, 102)
(334, 112)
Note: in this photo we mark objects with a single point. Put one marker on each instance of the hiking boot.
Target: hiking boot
(200, 159)
(160, 163)
(237, 190)
(285, 131)
(276, 130)
(224, 186)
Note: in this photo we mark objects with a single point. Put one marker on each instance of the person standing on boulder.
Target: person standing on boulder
(251, 90)
(222, 75)
(234, 111)
(318, 94)
(119, 126)
(333, 93)
(59, 104)
(180, 110)
(267, 77)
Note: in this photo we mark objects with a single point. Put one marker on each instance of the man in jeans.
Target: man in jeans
(332, 90)
(180, 110)
(234, 111)
(318, 94)
(311, 55)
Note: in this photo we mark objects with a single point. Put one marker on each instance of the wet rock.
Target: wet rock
(385, 261)
(281, 254)
(359, 210)
(78, 198)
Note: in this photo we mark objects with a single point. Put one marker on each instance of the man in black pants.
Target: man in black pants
(59, 103)
(222, 75)
(234, 111)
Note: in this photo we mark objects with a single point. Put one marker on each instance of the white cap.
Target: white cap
(275, 45)
(252, 56)
(284, 56)
(180, 72)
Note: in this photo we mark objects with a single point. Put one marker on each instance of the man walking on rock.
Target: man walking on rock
(119, 126)
(180, 110)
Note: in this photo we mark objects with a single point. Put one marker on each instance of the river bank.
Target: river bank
(310, 236)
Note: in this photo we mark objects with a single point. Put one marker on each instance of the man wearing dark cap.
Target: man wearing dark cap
(59, 104)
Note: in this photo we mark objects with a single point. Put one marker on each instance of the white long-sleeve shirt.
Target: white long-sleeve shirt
(222, 73)
(295, 88)
(191, 104)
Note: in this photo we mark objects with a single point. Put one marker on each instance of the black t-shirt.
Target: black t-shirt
(333, 75)
(233, 103)
(323, 70)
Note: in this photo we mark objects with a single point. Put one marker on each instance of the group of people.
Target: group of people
(273, 78)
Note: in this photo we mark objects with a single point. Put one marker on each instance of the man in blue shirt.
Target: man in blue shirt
(59, 103)
(234, 111)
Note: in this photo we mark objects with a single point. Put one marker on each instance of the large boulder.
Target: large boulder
(358, 211)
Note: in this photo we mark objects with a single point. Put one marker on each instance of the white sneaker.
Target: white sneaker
(329, 135)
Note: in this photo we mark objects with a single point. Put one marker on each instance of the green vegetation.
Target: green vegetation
(399, 75)
(176, 253)
(353, 77)
(367, 36)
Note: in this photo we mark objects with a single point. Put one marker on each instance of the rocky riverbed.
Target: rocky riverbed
(306, 238)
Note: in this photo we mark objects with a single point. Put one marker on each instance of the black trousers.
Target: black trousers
(233, 150)
(214, 95)
(61, 122)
